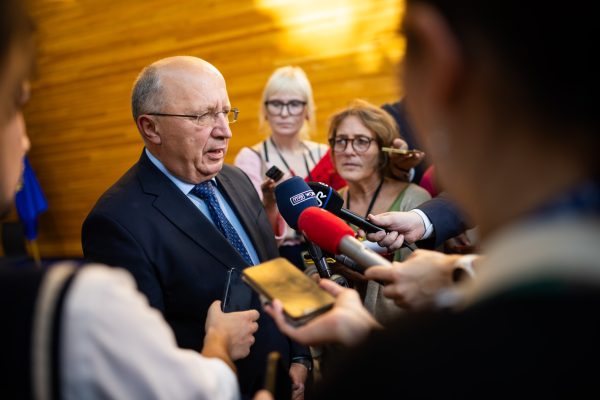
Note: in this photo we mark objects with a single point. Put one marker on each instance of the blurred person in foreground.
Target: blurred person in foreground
(78, 332)
(492, 103)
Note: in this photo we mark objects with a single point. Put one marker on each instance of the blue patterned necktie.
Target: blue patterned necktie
(206, 192)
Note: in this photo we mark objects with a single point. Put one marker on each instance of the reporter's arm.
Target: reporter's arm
(298, 376)
(400, 226)
(115, 346)
(402, 165)
(235, 329)
(414, 283)
(446, 218)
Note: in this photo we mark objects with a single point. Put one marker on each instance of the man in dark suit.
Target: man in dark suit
(183, 223)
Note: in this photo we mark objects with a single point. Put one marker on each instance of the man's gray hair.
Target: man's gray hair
(146, 94)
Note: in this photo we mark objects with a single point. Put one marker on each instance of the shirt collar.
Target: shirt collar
(185, 187)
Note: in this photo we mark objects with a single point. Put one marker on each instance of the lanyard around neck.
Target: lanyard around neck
(283, 160)
(373, 200)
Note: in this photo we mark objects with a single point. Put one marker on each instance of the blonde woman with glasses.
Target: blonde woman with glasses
(287, 114)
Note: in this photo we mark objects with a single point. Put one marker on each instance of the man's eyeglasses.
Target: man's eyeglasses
(360, 144)
(294, 107)
(207, 117)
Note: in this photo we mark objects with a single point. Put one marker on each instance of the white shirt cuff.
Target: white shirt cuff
(426, 223)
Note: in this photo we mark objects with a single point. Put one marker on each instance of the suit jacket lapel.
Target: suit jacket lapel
(245, 212)
(181, 212)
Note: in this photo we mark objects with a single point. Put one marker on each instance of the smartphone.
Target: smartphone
(302, 298)
(274, 173)
(400, 151)
(237, 296)
(277, 378)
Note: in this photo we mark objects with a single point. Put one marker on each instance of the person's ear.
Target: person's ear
(439, 53)
(149, 129)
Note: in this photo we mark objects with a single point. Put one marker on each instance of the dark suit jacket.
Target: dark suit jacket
(447, 220)
(179, 259)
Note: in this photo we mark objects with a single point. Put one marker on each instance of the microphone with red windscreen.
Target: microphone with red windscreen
(335, 236)
(293, 198)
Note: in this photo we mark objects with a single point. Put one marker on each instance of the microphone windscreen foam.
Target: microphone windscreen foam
(294, 196)
(327, 198)
(323, 228)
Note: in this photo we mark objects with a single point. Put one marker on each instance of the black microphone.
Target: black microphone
(294, 196)
(316, 255)
(330, 200)
(320, 261)
(348, 262)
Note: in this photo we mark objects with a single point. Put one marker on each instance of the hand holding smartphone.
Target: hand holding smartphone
(301, 297)
(274, 173)
(400, 151)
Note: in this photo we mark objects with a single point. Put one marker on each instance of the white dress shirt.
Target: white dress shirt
(115, 346)
(426, 223)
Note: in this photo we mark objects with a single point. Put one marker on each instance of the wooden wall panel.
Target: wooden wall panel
(90, 51)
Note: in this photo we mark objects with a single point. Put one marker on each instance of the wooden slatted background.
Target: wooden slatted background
(90, 51)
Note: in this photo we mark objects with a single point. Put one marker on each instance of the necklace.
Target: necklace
(372, 203)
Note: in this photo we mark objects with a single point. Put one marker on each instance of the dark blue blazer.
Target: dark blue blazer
(446, 218)
(179, 259)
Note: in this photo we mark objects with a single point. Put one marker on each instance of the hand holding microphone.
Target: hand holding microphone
(404, 227)
(330, 200)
